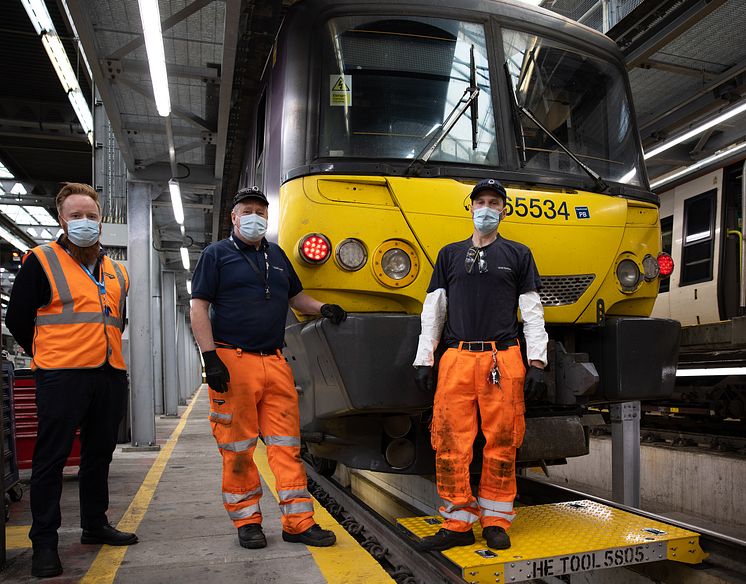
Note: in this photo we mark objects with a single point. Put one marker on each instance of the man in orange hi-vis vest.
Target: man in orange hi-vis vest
(471, 307)
(67, 310)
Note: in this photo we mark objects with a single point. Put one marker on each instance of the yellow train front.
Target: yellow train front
(374, 123)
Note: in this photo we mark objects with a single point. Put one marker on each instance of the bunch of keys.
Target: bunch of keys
(494, 375)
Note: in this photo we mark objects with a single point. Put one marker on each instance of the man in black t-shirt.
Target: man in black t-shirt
(471, 306)
(241, 290)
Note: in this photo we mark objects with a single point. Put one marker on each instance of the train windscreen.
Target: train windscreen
(389, 85)
(578, 98)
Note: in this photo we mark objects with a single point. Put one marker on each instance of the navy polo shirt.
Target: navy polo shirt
(240, 313)
(483, 307)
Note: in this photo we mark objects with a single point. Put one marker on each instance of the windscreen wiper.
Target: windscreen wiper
(600, 183)
(468, 99)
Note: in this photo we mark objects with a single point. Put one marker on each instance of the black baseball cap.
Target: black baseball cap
(489, 184)
(250, 193)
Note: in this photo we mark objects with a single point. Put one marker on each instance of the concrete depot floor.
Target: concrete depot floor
(185, 534)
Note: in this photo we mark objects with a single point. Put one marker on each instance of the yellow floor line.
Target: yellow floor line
(16, 537)
(104, 568)
(346, 562)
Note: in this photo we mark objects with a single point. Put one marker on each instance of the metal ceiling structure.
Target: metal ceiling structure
(687, 65)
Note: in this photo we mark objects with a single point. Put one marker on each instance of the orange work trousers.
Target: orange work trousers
(261, 399)
(464, 386)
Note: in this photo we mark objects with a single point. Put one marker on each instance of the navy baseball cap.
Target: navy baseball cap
(489, 184)
(250, 193)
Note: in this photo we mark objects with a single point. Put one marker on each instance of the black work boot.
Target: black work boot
(313, 536)
(445, 539)
(496, 538)
(251, 536)
(45, 563)
(108, 535)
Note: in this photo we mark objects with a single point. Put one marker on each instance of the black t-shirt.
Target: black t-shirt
(483, 307)
(239, 312)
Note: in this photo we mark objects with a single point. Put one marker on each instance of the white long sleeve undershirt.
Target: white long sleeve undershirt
(434, 311)
(532, 313)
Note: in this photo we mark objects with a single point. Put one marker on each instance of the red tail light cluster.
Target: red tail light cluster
(315, 248)
(665, 262)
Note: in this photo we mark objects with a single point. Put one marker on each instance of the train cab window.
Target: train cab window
(261, 113)
(698, 239)
(582, 100)
(667, 237)
(389, 84)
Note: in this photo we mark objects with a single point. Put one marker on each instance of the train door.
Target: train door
(730, 277)
(695, 246)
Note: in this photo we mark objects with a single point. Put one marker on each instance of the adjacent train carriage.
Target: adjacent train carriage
(374, 121)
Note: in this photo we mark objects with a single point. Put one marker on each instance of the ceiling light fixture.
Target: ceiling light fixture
(185, 258)
(735, 148)
(725, 116)
(151, 27)
(175, 190)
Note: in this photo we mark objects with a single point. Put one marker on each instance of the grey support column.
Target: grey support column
(170, 366)
(139, 313)
(181, 356)
(157, 340)
(625, 453)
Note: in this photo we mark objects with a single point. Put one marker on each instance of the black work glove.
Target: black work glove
(423, 377)
(333, 312)
(534, 387)
(216, 372)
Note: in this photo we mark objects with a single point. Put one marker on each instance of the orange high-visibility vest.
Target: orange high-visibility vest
(80, 328)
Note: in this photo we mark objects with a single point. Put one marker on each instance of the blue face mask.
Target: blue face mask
(83, 232)
(253, 227)
(486, 220)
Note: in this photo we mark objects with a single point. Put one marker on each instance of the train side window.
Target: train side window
(698, 241)
(259, 146)
(667, 236)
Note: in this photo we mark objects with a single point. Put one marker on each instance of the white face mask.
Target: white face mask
(253, 227)
(83, 232)
(486, 220)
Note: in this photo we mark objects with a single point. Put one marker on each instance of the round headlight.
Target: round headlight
(396, 264)
(650, 267)
(628, 275)
(351, 255)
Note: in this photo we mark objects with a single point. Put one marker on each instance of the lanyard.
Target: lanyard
(101, 285)
(255, 267)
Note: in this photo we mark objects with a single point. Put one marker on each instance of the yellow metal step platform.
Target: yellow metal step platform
(566, 538)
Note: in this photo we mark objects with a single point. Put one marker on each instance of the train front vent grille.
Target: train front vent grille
(562, 290)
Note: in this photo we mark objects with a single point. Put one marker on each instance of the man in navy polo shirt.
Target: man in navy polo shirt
(476, 289)
(241, 290)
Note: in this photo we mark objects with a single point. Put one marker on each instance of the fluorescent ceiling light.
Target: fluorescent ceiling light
(151, 28)
(4, 172)
(710, 372)
(18, 189)
(189, 286)
(42, 21)
(41, 215)
(185, 258)
(13, 240)
(173, 187)
(75, 34)
(704, 162)
(698, 130)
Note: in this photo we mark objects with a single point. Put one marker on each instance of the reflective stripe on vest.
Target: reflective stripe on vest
(239, 446)
(233, 498)
(244, 512)
(295, 508)
(281, 440)
(293, 494)
(74, 331)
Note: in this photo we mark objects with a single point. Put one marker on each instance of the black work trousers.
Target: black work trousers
(93, 400)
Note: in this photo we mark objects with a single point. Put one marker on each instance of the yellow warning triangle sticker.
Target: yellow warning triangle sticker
(340, 85)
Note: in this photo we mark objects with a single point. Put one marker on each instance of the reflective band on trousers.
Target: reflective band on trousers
(448, 506)
(281, 440)
(505, 506)
(506, 516)
(244, 513)
(293, 508)
(239, 446)
(293, 494)
(460, 516)
(233, 498)
(219, 416)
